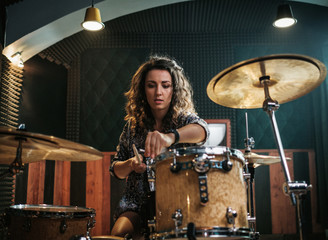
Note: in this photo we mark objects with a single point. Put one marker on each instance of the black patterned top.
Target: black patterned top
(137, 186)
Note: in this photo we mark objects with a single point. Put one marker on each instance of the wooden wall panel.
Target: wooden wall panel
(282, 210)
(35, 183)
(98, 193)
(62, 183)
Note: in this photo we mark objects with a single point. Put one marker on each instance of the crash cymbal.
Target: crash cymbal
(262, 159)
(37, 147)
(291, 76)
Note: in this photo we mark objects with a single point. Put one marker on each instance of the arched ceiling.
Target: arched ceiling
(35, 25)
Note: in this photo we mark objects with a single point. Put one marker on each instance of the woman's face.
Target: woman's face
(159, 90)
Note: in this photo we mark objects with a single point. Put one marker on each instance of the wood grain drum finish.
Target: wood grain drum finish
(181, 191)
(49, 222)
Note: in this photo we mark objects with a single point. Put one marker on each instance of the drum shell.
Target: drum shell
(27, 222)
(181, 191)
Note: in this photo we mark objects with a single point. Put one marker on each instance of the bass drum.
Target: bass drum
(31, 222)
(200, 191)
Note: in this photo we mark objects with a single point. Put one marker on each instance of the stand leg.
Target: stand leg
(299, 216)
(281, 151)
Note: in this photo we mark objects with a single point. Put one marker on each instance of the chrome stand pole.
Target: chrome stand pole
(293, 189)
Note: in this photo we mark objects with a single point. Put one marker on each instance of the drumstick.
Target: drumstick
(136, 153)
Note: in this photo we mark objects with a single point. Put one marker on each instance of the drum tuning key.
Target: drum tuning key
(231, 215)
(177, 218)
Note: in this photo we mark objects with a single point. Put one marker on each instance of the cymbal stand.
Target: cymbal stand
(249, 177)
(293, 189)
(17, 166)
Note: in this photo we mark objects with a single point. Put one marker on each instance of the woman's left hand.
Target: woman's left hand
(156, 141)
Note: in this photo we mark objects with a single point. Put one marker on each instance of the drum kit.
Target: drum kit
(207, 192)
(43, 221)
(200, 192)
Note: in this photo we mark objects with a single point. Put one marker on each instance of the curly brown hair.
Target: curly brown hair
(137, 108)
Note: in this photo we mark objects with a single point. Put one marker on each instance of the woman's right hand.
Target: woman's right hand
(135, 166)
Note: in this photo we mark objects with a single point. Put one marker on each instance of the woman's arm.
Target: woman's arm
(156, 141)
(123, 168)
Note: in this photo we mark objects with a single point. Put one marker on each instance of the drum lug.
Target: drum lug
(227, 164)
(91, 223)
(63, 226)
(175, 167)
(152, 225)
(151, 174)
(202, 179)
(177, 218)
(231, 215)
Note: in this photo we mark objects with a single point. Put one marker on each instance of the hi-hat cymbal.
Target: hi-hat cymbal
(262, 159)
(37, 147)
(291, 76)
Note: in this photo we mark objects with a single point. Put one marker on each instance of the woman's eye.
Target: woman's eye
(166, 86)
(150, 85)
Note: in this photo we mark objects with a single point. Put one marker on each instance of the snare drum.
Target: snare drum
(200, 191)
(49, 222)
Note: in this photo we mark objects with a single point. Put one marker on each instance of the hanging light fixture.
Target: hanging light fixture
(285, 17)
(92, 19)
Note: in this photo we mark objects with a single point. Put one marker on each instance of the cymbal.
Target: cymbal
(262, 159)
(291, 76)
(38, 147)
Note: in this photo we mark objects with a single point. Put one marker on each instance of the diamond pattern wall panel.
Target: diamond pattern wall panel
(105, 76)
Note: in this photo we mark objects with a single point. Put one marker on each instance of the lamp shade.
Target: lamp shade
(92, 20)
(285, 17)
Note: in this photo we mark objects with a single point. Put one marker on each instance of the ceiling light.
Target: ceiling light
(92, 19)
(16, 59)
(285, 17)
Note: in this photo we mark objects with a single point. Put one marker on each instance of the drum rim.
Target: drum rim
(43, 210)
(216, 150)
(209, 232)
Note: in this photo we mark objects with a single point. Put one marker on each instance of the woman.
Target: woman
(160, 114)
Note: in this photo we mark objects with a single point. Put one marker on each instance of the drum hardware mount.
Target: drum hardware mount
(293, 189)
(202, 164)
(16, 167)
(151, 223)
(174, 166)
(249, 177)
(151, 174)
(231, 215)
(299, 189)
(202, 179)
(177, 218)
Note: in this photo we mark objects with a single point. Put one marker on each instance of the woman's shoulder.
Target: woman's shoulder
(187, 115)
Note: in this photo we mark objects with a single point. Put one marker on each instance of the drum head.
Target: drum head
(45, 210)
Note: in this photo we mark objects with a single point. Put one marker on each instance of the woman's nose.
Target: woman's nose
(159, 90)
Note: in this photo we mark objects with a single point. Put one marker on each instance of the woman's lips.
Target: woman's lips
(158, 101)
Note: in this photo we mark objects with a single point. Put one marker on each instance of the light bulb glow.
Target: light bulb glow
(92, 25)
(284, 22)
